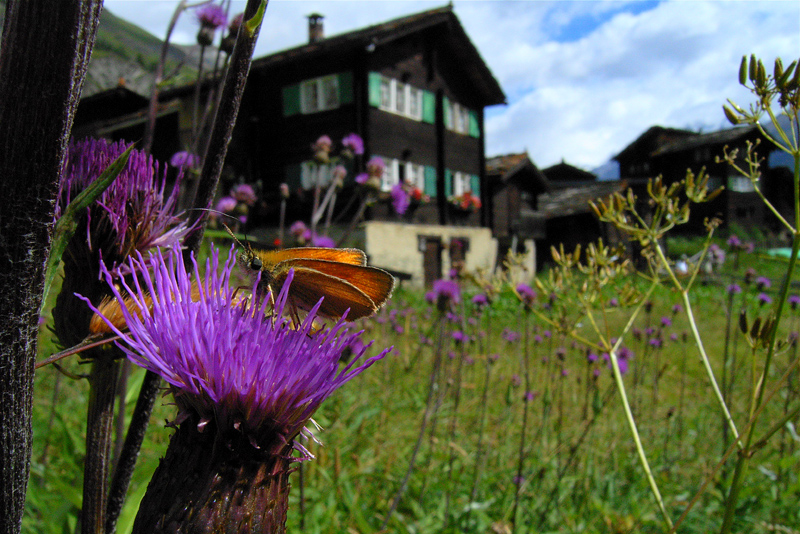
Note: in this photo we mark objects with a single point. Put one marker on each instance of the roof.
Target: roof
(563, 174)
(652, 139)
(517, 168)
(452, 36)
(720, 137)
(574, 200)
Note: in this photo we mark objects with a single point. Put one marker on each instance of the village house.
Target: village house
(414, 89)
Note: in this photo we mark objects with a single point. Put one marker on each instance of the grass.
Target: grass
(580, 471)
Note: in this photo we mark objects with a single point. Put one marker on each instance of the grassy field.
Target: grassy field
(483, 453)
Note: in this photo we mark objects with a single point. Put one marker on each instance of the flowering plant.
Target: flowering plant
(466, 201)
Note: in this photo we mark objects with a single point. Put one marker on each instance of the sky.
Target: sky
(582, 79)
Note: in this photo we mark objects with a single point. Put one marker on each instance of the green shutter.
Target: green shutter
(475, 185)
(293, 172)
(448, 183)
(345, 88)
(474, 129)
(428, 107)
(291, 100)
(448, 120)
(374, 89)
(430, 181)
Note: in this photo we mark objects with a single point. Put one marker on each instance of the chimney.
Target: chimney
(315, 31)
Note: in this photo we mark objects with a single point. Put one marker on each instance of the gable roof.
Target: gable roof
(517, 168)
(720, 137)
(574, 200)
(652, 139)
(564, 174)
(451, 36)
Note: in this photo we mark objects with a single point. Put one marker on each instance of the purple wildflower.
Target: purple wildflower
(244, 193)
(460, 337)
(322, 241)
(400, 199)
(446, 293)
(655, 343)
(734, 241)
(763, 298)
(298, 228)
(613, 303)
(529, 396)
(353, 143)
(677, 308)
(666, 321)
(133, 212)
(510, 336)
(227, 362)
(794, 301)
(592, 357)
(480, 300)
(226, 204)
(185, 160)
(734, 289)
(762, 282)
(376, 166)
(211, 16)
(526, 294)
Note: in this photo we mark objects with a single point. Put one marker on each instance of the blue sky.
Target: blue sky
(582, 78)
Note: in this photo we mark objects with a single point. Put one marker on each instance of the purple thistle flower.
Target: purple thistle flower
(510, 336)
(734, 241)
(185, 160)
(226, 204)
(547, 334)
(322, 241)
(673, 337)
(298, 228)
(613, 303)
(677, 308)
(592, 357)
(226, 361)
(537, 339)
(666, 321)
(353, 143)
(794, 301)
(655, 342)
(530, 396)
(446, 293)
(734, 289)
(211, 16)
(762, 282)
(460, 337)
(763, 298)
(400, 199)
(244, 193)
(133, 212)
(526, 294)
(480, 300)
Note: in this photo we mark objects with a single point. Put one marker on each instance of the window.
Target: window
(462, 183)
(397, 171)
(319, 94)
(740, 184)
(459, 119)
(311, 174)
(398, 97)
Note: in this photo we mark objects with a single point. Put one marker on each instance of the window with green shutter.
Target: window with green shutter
(345, 88)
(291, 100)
(474, 129)
(448, 183)
(475, 185)
(430, 182)
(374, 82)
(448, 118)
(428, 107)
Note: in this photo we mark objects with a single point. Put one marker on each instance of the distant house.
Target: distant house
(414, 89)
(670, 153)
(533, 210)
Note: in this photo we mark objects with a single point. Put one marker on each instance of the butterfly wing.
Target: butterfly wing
(309, 285)
(376, 283)
(351, 256)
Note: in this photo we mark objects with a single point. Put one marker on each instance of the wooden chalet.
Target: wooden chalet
(670, 153)
(414, 89)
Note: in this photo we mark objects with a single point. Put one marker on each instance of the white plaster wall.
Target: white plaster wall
(396, 246)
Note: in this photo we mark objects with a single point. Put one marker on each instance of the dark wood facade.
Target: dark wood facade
(670, 153)
(430, 54)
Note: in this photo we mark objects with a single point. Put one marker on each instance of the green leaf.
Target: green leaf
(253, 24)
(68, 222)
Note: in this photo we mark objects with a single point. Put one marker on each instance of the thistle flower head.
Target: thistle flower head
(133, 213)
(353, 144)
(400, 200)
(228, 362)
(211, 16)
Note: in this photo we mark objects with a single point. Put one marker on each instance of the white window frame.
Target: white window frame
(459, 118)
(414, 174)
(740, 184)
(311, 171)
(401, 99)
(462, 182)
(319, 94)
